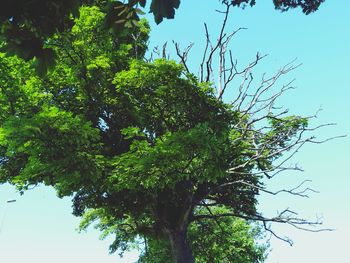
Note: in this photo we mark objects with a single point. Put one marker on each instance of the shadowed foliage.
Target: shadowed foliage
(25, 25)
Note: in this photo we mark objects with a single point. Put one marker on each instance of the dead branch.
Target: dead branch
(255, 101)
(183, 54)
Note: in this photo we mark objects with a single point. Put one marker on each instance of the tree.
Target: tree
(146, 144)
(25, 25)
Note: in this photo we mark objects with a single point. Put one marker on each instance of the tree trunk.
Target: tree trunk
(181, 250)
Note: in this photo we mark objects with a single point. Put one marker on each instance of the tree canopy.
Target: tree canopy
(145, 145)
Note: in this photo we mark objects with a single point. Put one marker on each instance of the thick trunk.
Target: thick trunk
(181, 250)
(173, 212)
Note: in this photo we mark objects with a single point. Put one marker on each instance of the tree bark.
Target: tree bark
(181, 250)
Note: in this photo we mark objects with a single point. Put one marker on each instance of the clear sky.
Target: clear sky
(39, 227)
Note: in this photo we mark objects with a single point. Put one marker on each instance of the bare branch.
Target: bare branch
(183, 54)
(287, 216)
(297, 191)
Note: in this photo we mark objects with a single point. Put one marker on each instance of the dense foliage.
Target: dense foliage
(143, 145)
(224, 240)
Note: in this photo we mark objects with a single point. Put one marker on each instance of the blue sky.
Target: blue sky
(39, 227)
